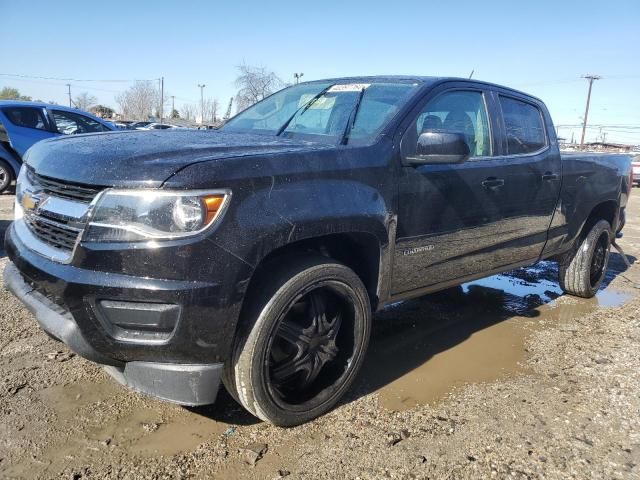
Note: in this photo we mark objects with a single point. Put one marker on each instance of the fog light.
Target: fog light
(138, 321)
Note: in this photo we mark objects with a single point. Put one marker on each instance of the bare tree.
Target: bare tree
(188, 111)
(138, 101)
(84, 100)
(211, 110)
(254, 84)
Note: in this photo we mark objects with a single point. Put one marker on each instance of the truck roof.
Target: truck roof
(425, 80)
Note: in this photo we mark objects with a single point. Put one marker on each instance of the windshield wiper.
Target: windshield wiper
(302, 109)
(352, 118)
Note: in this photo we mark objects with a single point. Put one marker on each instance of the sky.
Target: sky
(542, 47)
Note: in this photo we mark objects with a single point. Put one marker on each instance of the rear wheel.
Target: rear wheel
(306, 345)
(582, 272)
(6, 175)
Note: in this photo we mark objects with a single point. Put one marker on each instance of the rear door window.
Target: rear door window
(70, 123)
(523, 125)
(28, 117)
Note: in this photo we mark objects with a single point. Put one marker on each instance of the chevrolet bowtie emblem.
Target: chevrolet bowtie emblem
(30, 200)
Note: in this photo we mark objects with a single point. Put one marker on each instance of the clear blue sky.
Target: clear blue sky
(541, 47)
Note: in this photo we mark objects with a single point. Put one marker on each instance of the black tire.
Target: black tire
(286, 369)
(6, 176)
(582, 271)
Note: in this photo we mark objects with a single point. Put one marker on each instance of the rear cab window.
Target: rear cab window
(27, 117)
(524, 126)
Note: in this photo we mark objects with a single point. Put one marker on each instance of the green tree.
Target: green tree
(102, 111)
(175, 113)
(10, 93)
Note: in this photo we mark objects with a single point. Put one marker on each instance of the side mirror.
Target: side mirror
(436, 146)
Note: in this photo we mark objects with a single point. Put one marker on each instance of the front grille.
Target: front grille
(61, 189)
(53, 232)
(59, 218)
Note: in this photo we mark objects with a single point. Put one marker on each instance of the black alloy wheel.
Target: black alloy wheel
(302, 340)
(312, 347)
(598, 259)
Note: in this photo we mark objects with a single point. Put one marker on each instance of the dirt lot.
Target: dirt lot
(504, 378)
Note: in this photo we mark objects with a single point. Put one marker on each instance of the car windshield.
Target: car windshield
(325, 111)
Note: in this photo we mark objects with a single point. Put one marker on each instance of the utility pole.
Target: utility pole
(228, 112)
(591, 78)
(297, 77)
(201, 102)
(161, 99)
(69, 91)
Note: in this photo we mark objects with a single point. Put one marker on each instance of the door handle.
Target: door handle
(549, 176)
(493, 183)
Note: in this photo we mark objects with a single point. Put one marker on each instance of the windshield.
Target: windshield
(325, 111)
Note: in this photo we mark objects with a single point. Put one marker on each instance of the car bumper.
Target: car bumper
(185, 384)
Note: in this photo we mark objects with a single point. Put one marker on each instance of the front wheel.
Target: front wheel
(304, 341)
(582, 271)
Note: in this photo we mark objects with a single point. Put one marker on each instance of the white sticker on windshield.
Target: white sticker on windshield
(349, 87)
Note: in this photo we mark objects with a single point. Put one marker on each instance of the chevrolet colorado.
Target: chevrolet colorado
(254, 255)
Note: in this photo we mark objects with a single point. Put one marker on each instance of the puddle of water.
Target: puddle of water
(484, 356)
(612, 298)
(180, 435)
(424, 348)
(144, 431)
(67, 399)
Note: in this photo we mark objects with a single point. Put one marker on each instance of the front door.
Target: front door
(449, 215)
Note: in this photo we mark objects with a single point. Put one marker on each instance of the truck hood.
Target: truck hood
(143, 158)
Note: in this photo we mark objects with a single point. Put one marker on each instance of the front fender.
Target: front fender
(278, 215)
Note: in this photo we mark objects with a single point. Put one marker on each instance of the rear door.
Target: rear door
(528, 162)
(25, 126)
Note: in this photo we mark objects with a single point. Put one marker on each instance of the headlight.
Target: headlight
(22, 184)
(139, 215)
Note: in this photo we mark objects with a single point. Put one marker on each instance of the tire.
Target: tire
(6, 175)
(304, 338)
(582, 271)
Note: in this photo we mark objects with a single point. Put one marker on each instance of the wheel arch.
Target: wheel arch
(360, 251)
(607, 210)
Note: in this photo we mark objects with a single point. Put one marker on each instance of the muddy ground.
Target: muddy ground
(503, 378)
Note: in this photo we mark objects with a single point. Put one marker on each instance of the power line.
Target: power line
(19, 75)
(592, 126)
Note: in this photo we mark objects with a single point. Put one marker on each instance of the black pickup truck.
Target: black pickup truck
(255, 255)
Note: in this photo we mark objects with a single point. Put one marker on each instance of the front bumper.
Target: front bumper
(185, 384)
(186, 299)
(204, 310)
